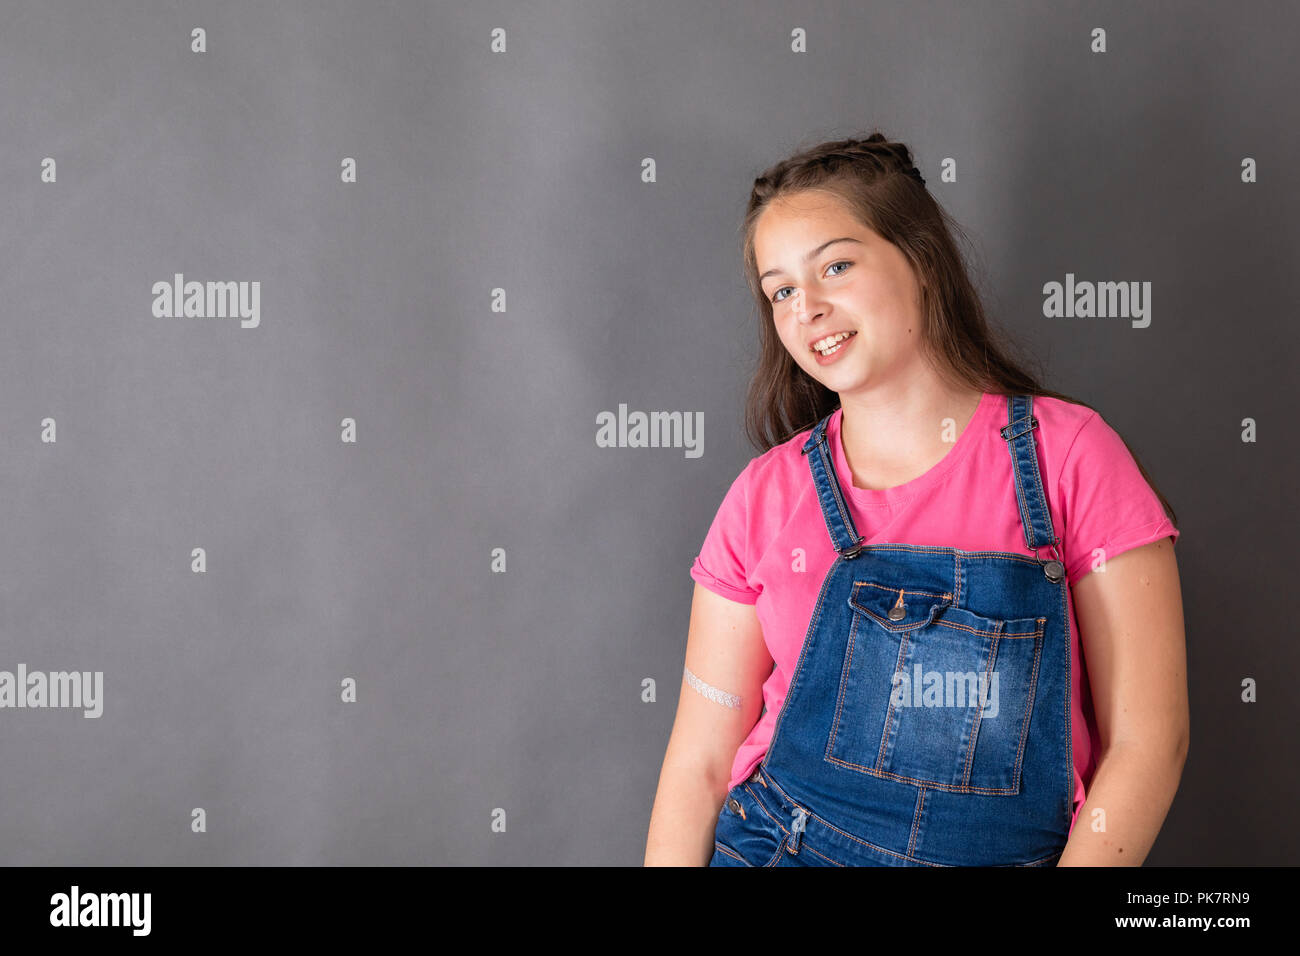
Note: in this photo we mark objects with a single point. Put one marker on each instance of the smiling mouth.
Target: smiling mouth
(832, 343)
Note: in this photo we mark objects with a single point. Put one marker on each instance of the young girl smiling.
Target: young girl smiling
(895, 600)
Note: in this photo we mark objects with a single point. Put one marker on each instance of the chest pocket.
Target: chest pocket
(933, 693)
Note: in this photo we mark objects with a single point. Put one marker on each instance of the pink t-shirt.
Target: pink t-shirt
(768, 544)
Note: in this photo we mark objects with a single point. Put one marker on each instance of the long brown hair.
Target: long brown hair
(877, 179)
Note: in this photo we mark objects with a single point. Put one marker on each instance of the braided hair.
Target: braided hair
(874, 154)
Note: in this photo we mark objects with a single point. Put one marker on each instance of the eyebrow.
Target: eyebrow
(812, 255)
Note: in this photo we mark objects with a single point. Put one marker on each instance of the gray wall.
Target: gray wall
(476, 428)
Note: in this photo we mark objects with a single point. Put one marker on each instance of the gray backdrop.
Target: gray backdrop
(475, 427)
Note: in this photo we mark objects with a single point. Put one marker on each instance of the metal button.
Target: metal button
(898, 612)
(734, 805)
(1054, 570)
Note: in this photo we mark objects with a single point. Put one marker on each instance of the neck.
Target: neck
(890, 438)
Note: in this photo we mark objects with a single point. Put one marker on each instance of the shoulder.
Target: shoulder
(1065, 429)
(1059, 421)
(1081, 438)
(748, 518)
(1106, 502)
(769, 485)
(780, 469)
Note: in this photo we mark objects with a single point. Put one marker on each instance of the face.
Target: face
(863, 286)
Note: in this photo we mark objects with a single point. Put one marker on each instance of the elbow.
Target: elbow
(1182, 738)
(1175, 753)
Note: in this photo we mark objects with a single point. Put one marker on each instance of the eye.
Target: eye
(841, 262)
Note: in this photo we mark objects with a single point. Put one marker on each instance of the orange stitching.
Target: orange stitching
(889, 713)
(955, 626)
(943, 549)
(830, 826)
(729, 852)
(844, 676)
(872, 584)
(916, 820)
(780, 849)
(804, 846)
(1029, 710)
(916, 781)
(979, 714)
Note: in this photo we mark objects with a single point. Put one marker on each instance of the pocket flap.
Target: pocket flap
(897, 608)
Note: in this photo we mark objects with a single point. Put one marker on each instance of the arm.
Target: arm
(725, 649)
(1131, 625)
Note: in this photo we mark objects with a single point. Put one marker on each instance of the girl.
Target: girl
(894, 603)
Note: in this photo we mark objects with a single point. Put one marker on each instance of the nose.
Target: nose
(804, 308)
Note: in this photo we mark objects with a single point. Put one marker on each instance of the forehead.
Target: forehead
(792, 225)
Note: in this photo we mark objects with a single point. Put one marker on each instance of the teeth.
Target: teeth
(824, 346)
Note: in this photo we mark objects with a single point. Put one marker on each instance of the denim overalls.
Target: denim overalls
(928, 719)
